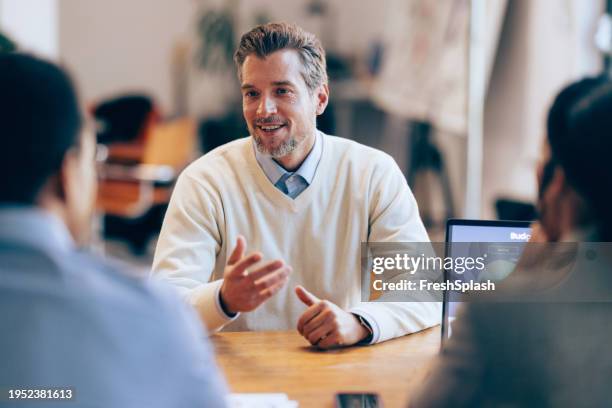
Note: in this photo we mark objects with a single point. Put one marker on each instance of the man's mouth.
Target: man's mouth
(270, 128)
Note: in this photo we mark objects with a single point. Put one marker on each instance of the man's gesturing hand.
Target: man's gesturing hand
(325, 325)
(243, 290)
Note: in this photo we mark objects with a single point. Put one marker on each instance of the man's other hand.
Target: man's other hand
(243, 290)
(325, 325)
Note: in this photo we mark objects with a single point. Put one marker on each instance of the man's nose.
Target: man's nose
(266, 106)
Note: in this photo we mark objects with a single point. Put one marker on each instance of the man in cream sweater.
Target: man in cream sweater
(303, 200)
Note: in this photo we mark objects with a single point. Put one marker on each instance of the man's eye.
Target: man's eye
(250, 94)
(282, 91)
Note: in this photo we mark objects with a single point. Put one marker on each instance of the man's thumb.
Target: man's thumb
(238, 251)
(305, 296)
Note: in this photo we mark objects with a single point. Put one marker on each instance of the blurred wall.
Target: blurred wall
(32, 24)
(544, 45)
(116, 46)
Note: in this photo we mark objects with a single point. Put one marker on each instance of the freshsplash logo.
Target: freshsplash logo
(520, 236)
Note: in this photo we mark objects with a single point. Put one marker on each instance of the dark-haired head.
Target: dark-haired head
(43, 150)
(579, 166)
(266, 39)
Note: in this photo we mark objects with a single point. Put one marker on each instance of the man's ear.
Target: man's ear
(52, 191)
(539, 175)
(322, 98)
(56, 188)
(558, 185)
(66, 176)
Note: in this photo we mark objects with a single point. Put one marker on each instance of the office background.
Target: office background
(175, 54)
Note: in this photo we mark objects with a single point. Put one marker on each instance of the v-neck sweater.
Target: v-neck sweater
(358, 194)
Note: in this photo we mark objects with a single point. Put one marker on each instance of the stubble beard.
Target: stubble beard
(285, 148)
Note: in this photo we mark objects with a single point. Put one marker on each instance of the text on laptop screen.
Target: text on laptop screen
(473, 238)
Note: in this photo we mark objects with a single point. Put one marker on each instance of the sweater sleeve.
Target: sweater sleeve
(188, 245)
(394, 217)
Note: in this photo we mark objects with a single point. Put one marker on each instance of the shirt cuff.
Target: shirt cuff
(369, 320)
(220, 308)
(205, 299)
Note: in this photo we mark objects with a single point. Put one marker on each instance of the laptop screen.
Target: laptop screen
(487, 236)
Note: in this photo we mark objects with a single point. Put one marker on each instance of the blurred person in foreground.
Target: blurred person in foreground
(303, 200)
(553, 350)
(69, 319)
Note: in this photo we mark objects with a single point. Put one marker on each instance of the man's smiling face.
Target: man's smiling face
(279, 109)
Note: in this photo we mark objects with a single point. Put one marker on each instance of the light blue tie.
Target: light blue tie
(281, 184)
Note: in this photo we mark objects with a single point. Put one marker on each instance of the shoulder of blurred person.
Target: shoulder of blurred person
(70, 319)
(538, 341)
(76, 319)
(518, 354)
(549, 346)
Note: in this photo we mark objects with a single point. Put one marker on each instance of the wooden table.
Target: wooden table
(285, 362)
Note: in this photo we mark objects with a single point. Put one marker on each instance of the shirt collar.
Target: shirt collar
(275, 171)
(34, 226)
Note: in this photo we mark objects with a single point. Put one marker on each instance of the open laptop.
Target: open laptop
(490, 233)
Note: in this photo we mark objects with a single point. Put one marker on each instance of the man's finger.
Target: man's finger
(305, 296)
(316, 321)
(315, 332)
(245, 263)
(238, 251)
(266, 269)
(309, 314)
(320, 333)
(271, 279)
(271, 291)
(332, 340)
